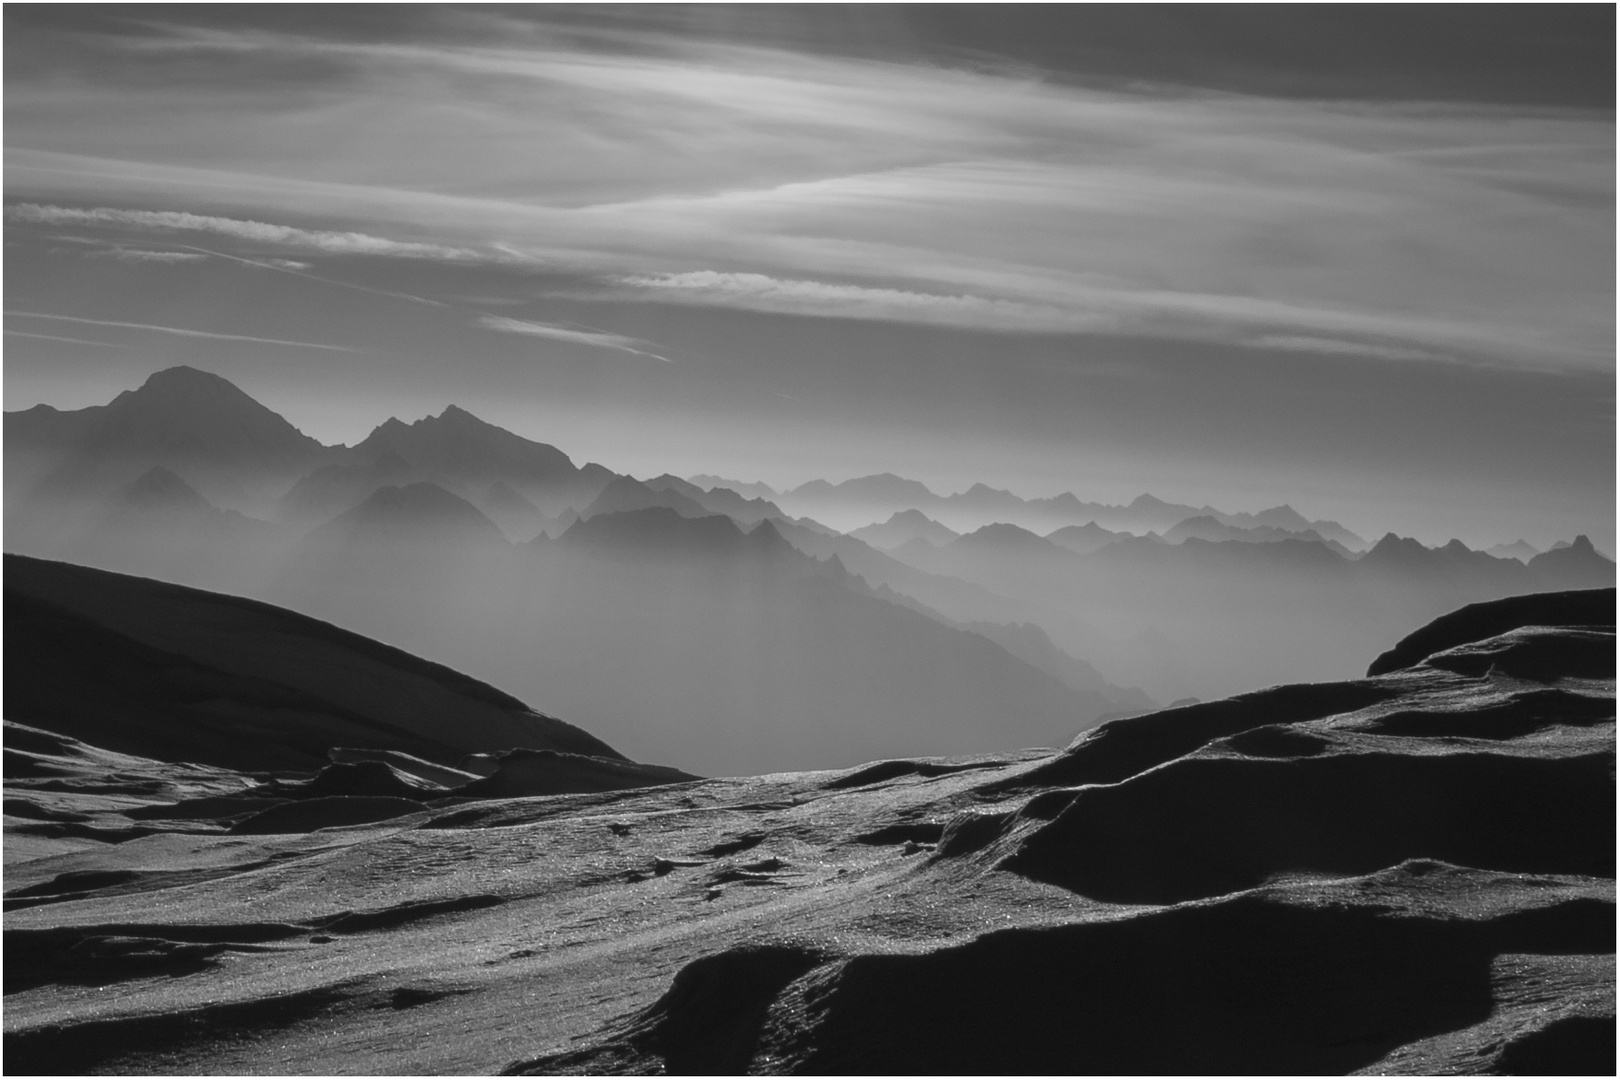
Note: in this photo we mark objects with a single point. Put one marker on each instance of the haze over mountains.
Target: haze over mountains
(866, 497)
(730, 630)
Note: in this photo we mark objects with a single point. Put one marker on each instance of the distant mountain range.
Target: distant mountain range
(240, 455)
(673, 610)
(871, 498)
(904, 527)
(1516, 550)
(677, 620)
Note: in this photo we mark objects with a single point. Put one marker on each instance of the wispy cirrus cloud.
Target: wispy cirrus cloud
(1080, 307)
(760, 292)
(599, 339)
(178, 331)
(326, 241)
(1338, 347)
(904, 192)
(142, 255)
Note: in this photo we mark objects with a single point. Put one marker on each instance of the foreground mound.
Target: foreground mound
(1409, 873)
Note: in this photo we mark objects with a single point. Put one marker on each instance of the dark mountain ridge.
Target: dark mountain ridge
(198, 425)
(458, 447)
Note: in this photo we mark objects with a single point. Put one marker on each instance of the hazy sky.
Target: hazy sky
(1360, 259)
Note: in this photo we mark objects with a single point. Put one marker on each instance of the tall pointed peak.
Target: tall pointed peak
(455, 414)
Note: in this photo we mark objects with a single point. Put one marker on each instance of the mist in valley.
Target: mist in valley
(730, 632)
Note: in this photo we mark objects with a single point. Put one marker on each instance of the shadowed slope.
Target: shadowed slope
(1255, 984)
(134, 664)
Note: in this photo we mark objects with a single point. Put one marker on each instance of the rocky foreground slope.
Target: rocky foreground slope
(1412, 872)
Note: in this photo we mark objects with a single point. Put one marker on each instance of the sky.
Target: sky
(1355, 258)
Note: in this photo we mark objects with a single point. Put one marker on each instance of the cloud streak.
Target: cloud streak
(759, 292)
(141, 255)
(1335, 347)
(598, 339)
(328, 242)
(178, 331)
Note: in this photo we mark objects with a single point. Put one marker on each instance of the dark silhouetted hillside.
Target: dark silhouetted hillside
(180, 674)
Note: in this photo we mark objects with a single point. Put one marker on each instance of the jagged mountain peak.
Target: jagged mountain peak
(459, 446)
(1390, 542)
(626, 493)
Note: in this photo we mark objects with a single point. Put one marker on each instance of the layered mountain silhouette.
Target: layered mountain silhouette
(746, 490)
(1516, 550)
(458, 450)
(1206, 527)
(1578, 563)
(902, 528)
(744, 511)
(1084, 539)
(240, 455)
(193, 423)
(449, 533)
(625, 494)
(875, 498)
(1200, 612)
